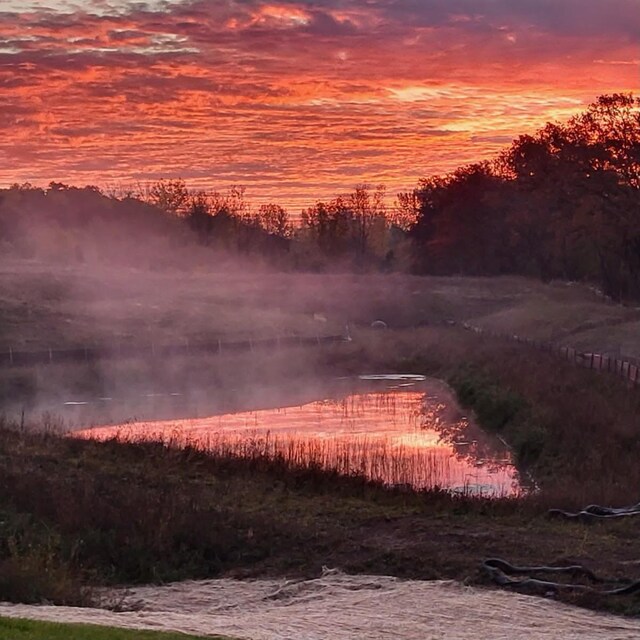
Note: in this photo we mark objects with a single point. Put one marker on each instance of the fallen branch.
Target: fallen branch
(596, 512)
(500, 571)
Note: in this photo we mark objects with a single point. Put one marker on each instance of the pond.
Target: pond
(401, 430)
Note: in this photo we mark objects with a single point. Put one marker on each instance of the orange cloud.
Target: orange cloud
(295, 101)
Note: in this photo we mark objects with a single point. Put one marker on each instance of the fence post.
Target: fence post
(10, 355)
(219, 346)
(50, 356)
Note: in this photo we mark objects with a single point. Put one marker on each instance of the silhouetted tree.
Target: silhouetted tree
(171, 196)
(563, 202)
(460, 228)
(275, 220)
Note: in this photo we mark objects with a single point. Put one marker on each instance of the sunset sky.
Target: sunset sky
(294, 99)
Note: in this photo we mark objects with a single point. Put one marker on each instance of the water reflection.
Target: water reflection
(401, 435)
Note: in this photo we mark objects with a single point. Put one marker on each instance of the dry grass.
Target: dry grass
(368, 459)
(578, 431)
(78, 512)
(75, 514)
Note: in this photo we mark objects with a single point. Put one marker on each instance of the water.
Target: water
(406, 430)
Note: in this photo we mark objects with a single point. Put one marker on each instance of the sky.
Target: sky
(296, 100)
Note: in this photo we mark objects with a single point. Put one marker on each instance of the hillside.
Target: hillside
(52, 306)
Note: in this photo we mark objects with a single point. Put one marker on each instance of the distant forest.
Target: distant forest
(562, 203)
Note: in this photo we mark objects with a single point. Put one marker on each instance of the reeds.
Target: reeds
(373, 459)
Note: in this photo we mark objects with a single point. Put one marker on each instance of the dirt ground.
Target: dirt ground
(340, 607)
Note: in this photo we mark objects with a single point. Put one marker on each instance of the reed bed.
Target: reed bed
(376, 459)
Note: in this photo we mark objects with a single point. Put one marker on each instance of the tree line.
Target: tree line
(563, 202)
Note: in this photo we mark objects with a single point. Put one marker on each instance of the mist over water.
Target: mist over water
(141, 282)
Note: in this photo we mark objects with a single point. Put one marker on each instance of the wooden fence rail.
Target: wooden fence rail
(628, 369)
(13, 358)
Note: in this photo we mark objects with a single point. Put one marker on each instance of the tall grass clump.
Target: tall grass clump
(503, 411)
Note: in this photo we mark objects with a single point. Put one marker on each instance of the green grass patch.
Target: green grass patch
(21, 629)
(503, 411)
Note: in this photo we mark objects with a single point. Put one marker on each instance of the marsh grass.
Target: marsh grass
(368, 459)
(77, 512)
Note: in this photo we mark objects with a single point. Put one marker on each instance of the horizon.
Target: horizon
(296, 101)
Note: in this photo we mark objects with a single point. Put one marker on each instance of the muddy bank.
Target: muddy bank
(341, 607)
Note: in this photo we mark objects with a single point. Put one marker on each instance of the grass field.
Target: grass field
(47, 306)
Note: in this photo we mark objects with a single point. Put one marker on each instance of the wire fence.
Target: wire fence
(18, 358)
(627, 368)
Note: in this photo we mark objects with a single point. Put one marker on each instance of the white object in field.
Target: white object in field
(379, 324)
(318, 317)
(394, 376)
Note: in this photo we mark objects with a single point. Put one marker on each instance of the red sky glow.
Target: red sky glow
(297, 100)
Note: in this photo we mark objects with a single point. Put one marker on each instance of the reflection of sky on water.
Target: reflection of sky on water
(399, 436)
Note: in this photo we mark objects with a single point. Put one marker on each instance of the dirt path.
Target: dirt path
(340, 607)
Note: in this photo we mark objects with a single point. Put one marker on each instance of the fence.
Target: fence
(628, 369)
(12, 358)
